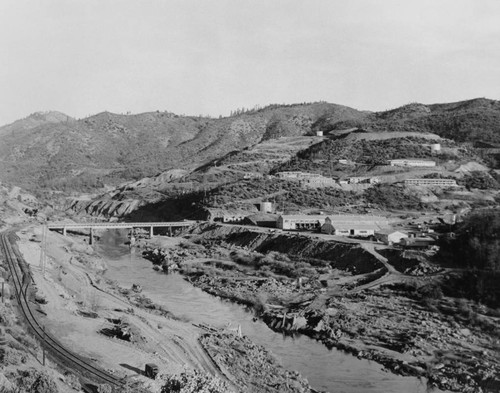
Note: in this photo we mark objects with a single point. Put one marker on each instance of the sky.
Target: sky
(208, 57)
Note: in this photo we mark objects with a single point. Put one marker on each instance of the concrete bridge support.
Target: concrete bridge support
(151, 231)
(91, 238)
(64, 231)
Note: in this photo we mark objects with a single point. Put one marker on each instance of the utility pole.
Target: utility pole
(43, 249)
(43, 345)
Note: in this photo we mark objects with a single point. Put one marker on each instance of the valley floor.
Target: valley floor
(121, 330)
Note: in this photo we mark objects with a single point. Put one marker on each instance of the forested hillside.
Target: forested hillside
(471, 120)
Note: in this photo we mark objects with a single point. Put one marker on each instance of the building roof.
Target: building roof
(430, 179)
(416, 240)
(355, 225)
(220, 212)
(347, 221)
(411, 159)
(335, 217)
(390, 231)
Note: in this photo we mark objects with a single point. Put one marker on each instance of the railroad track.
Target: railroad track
(22, 280)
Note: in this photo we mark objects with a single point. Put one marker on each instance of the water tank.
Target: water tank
(436, 147)
(319, 133)
(266, 207)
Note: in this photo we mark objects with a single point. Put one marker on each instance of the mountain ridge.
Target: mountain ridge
(53, 151)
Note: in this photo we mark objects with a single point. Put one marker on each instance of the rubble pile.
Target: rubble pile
(423, 269)
(249, 366)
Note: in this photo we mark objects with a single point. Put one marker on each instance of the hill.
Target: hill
(34, 120)
(51, 151)
(78, 155)
(465, 121)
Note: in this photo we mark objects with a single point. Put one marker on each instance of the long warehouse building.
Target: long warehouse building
(343, 224)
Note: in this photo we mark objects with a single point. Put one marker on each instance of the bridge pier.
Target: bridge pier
(64, 231)
(91, 237)
(170, 231)
(151, 231)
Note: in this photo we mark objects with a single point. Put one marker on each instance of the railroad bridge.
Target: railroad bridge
(171, 225)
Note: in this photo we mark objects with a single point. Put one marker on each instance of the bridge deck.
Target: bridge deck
(113, 225)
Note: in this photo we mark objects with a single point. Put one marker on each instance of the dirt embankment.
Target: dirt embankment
(345, 256)
(105, 207)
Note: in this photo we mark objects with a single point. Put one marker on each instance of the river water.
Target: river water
(330, 370)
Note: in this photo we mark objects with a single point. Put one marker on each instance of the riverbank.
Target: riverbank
(120, 329)
(348, 298)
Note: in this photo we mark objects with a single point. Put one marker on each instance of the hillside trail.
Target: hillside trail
(390, 277)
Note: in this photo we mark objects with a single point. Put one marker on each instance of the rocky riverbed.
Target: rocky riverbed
(405, 323)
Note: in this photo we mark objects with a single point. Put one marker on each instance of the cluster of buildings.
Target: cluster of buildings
(352, 225)
(316, 180)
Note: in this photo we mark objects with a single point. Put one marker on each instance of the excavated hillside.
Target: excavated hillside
(341, 255)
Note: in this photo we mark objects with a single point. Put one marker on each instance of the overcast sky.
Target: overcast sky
(82, 57)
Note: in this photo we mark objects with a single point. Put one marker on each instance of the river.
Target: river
(330, 370)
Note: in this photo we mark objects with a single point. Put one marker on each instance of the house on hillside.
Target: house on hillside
(412, 162)
(390, 236)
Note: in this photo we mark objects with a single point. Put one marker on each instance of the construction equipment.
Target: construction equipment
(151, 370)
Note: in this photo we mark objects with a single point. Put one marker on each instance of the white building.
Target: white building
(343, 225)
(390, 236)
(432, 182)
(266, 207)
(412, 162)
(226, 215)
(436, 147)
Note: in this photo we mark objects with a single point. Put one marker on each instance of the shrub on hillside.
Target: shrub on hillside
(194, 382)
(35, 381)
(480, 180)
(477, 244)
(391, 197)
